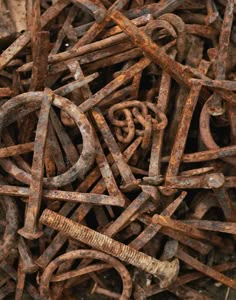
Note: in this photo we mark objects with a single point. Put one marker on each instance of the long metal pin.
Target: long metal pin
(181, 136)
(30, 229)
(154, 175)
(151, 230)
(130, 182)
(215, 106)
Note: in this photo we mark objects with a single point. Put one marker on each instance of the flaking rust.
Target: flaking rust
(117, 133)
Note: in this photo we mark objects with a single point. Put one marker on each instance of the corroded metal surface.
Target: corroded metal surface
(117, 132)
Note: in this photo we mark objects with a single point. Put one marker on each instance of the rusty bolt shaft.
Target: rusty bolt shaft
(165, 271)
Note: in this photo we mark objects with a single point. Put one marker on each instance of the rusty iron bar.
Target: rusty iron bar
(215, 106)
(59, 195)
(83, 210)
(165, 271)
(143, 110)
(30, 229)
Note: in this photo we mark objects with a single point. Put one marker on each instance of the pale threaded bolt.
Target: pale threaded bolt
(164, 270)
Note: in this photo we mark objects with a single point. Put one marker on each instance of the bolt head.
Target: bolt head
(29, 234)
(152, 191)
(131, 186)
(172, 271)
(167, 191)
(215, 180)
(153, 180)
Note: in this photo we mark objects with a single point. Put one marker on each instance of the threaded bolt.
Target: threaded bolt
(164, 270)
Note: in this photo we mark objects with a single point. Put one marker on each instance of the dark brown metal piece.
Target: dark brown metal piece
(126, 280)
(149, 113)
(30, 229)
(165, 271)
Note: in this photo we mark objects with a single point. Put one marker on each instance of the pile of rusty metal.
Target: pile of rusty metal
(118, 144)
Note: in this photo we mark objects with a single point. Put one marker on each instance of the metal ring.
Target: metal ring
(91, 254)
(87, 156)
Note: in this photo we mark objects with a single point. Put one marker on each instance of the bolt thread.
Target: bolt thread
(106, 244)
